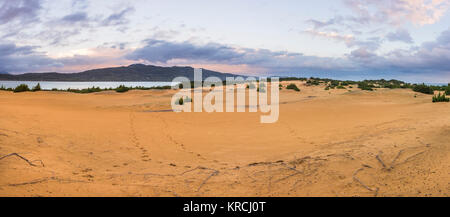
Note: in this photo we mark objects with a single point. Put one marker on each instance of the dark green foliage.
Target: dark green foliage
(181, 101)
(21, 88)
(312, 81)
(37, 87)
(86, 90)
(440, 98)
(290, 79)
(447, 90)
(292, 87)
(366, 86)
(122, 89)
(422, 88)
(2, 87)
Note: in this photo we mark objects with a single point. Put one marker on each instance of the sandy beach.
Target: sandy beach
(326, 143)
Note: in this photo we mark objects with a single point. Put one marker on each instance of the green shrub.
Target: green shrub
(181, 101)
(2, 88)
(422, 88)
(122, 89)
(440, 98)
(86, 90)
(312, 82)
(37, 87)
(365, 86)
(21, 88)
(447, 90)
(292, 87)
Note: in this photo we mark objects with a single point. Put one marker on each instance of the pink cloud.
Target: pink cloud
(396, 12)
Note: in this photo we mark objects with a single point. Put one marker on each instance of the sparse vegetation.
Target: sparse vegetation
(86, 90)
(312, 82)
(21, 88)
(292, 87)
(422, 88)
(447, 90)
(122, 89)
(37, 87)
(366, 86)
(441, 98)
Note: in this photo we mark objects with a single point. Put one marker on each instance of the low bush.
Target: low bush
(447, 90)
(365, 86)
(440, 98)
(311, 82)
(37, 87)
(422, 88)
(21, 88)
(292, 87)
(122, 89)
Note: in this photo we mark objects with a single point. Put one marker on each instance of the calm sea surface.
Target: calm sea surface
(48, 85)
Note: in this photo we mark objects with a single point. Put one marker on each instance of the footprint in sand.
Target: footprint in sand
(134, 139)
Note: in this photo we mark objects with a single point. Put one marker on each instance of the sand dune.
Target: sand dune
(325, 143)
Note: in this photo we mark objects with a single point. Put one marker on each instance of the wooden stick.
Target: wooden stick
(207, 178)
(23, 158)
(381, 161)
(361, 183)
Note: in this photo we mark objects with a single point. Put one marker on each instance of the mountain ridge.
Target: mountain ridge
(134, 72)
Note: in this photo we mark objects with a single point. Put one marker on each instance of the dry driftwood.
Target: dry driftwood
(23, 158)
(45, 179)
(362, 183)
(215, 173)
(381, 161)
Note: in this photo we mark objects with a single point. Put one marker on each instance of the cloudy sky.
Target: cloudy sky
(348, 39)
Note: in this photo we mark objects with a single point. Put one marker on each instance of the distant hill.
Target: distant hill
(135, 72)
